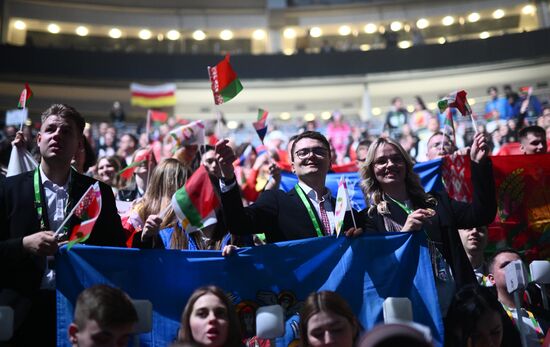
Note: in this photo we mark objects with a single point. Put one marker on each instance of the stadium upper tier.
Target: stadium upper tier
(24, 63)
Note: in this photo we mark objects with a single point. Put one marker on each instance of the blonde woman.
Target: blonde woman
(144, 219)
(398, 203)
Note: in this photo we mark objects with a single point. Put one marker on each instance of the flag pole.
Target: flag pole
(474, 124)
(58, 231)
(349, 204)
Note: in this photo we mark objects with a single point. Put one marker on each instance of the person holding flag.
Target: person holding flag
(32, 206)
(306, 211)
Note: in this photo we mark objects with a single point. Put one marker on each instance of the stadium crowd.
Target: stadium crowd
(137, 212)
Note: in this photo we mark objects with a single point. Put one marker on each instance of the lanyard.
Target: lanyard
(307, 204)
(536, 324)
(403, 206)
(38, 198)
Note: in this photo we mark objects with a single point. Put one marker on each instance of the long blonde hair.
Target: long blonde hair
(374, 195)
(166, 178)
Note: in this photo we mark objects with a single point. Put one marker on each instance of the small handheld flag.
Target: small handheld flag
(190, 134)
(225, 83)
(129, 170)
(25, 96)
(261, 124)
(343, 204)
(194, 204)
(459, 101)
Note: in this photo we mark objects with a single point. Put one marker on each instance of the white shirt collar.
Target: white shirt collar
(45, 179)
(313, 194)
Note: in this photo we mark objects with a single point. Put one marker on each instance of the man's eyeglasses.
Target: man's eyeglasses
(319, 152)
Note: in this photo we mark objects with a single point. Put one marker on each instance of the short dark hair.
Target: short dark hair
(233, 329)
(500, 251)
(364, 143)
(492, 88)
(109, 306)
(310, 135)
(326, 301)
(469, 305)
(531, 129)
(65, 111)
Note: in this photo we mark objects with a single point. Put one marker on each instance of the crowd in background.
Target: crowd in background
(160, 168)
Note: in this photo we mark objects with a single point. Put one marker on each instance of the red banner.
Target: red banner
(523, 201)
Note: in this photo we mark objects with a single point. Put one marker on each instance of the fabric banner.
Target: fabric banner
(365, 271)
(429, 172)
(522, 189)
(523, 201)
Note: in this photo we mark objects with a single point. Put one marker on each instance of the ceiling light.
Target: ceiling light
(145, 34)
(315, 32)
(498, 13)
(404, 44)
(82, 31)
(308, 117)
(432, 105)
(410, 108)
(448, 20)
(371, 28)
(471, 101)
(288, 51)
(396, 26)
(284, 116)
(326, 115)
(422, 23)
(19, 25)
(160, 37)
(115, 33)
(54, 28)
(232, 124)
(528, 9)
(226, 35)
(258, 34)
(344, 30)
(199, 35)
(441, 40)
(173, 35)
(289, 33)
(473, 17)
(484, 35)
(364, 47)
(376, 111)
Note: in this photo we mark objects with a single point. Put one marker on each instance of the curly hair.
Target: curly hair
(374, 195)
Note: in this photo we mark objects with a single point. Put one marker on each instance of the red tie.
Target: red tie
(324, 217)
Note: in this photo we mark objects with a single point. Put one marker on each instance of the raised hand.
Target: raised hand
(226, 157)
(479, 148)
(151, 227)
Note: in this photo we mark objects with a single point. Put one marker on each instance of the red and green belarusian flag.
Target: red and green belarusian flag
(87, 210)
(26, 94)
(225, 83)
(129, 170)
(458, 100)
(195, 203)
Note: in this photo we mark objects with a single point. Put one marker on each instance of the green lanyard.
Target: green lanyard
(38, 199)
(307, 204)
(403, 206)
